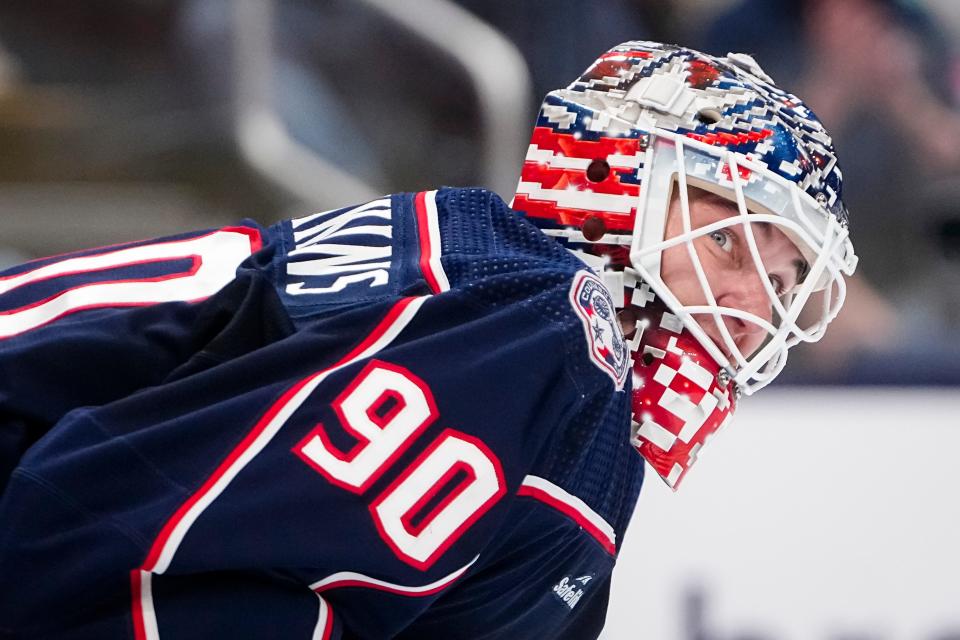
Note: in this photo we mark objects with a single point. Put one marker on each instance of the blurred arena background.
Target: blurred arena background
(829, 514)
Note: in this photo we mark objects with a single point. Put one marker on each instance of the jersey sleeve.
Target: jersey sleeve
(89, 327)
(544, 579)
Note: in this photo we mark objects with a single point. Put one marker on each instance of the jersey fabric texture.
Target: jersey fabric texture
(384, 421)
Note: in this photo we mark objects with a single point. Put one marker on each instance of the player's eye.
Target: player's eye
(777, 283)
(723, 238)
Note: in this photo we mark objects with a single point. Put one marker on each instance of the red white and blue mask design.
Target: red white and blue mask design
(609, 154)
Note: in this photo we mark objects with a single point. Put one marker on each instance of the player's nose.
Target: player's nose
(747, 293)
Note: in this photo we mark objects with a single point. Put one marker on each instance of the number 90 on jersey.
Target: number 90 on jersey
(435, 499)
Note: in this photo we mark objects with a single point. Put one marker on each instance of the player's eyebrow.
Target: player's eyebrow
(714, 199)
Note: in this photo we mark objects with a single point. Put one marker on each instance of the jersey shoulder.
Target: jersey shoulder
(424, 243)
(465, 244)
(482, 238)
(497, 256)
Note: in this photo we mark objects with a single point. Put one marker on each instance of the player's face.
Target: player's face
(729, 268)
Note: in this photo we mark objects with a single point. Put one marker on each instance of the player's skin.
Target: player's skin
(729, 267)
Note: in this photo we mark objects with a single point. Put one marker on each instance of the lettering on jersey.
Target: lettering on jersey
(334, 250)
(594, 305)
(570, 589)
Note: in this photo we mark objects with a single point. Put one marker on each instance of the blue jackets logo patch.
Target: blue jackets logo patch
(608, 349)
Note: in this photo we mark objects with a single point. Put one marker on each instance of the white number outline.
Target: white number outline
(394, 508)
(317, 447)
(422, 545)
(214, 259)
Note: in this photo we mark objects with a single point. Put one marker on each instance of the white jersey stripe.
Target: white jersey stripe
(572, 506)
(433, 231)
(324, 621)
(151, 632)
(353, 579)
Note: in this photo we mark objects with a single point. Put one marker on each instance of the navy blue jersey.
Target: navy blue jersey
(406, 419)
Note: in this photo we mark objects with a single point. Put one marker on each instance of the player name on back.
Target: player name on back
(342, 248)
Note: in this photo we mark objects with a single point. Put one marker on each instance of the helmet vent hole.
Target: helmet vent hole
(598, 170)
(647, 359)
(708, 116)
(593, 228)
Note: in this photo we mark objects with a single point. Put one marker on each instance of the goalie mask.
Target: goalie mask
(710, 202)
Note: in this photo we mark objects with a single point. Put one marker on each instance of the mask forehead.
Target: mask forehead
(723, 102)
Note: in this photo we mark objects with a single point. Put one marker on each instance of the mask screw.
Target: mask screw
(723, 378)
(822, 199)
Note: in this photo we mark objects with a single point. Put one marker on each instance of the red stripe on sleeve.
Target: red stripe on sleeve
(426, 249)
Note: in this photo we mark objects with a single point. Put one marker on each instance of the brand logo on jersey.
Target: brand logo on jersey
(336, 249)
(593, 304)
(570, 589)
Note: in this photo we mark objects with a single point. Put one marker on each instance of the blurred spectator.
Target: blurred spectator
(876, 72)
